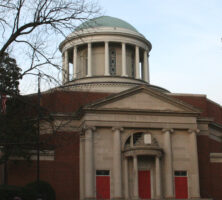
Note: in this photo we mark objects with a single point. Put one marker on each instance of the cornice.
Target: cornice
(106, 31)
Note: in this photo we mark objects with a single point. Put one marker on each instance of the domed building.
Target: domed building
(130, 139)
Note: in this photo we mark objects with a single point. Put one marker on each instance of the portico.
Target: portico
(145, 154)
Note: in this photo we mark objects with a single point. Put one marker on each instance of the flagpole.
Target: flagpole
(38, 132)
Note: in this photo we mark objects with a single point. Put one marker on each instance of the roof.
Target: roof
(71, 101)
(208, 107)
(106, 21)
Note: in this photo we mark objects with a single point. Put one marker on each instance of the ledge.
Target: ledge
(216, 157)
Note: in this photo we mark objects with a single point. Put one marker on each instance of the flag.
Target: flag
(3, 99)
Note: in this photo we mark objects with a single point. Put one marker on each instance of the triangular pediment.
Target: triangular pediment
(142, 98)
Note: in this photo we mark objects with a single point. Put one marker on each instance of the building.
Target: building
(125, 138)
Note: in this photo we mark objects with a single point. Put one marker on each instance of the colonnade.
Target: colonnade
(145, 63)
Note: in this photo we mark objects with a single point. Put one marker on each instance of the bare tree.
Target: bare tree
(30, 28)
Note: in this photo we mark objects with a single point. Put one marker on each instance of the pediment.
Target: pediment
(144, 99)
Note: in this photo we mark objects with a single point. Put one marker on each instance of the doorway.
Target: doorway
(144, 184)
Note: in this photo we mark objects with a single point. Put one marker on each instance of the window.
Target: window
(180, 173)
(132, 67)
(137, 137)
(102, 172)
(112, 61)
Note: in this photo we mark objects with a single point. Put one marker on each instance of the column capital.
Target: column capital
(117, 128)
(193, 130)
(158, 155)
(134, 155)
(170, 130)
(86, 127)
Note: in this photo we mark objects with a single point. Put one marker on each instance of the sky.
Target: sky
(186, 55)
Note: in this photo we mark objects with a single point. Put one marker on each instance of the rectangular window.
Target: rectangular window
(102, 172)
(180, 173)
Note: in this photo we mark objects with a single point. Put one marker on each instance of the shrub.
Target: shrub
(8, 192)
(31, 191)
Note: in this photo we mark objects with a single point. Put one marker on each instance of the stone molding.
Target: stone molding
(121, 129)
(170, 130)
(216, 157)
(105, 34)
(86, 127)
(193, 131)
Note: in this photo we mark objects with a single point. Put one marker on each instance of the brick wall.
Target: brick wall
(210, 173)
(62, 173)
(209, 108)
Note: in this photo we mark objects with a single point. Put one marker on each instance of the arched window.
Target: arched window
(140, 139)
(137, 137)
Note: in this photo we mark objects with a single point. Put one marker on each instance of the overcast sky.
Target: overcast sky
(186, 37)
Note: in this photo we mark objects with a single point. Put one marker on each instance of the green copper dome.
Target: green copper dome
(105, 21)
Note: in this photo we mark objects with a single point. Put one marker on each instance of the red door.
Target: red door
(102, 187)
(181, 188)
(144, 185)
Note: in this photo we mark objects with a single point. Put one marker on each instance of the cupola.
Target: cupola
(105, 54)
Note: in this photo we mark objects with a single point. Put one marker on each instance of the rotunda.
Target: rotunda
(105, 54)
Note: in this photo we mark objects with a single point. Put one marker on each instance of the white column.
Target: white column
(148, 69)
(137, 60)
(168, 164)
(67, 65)
(124, 59)
(194, 172)
(117, 168)
(89, 73)
(158, 178)
(126, 178)
(65, 68)
(145, 67)
(74, 62)
(135, 178)
(106, 59)
(89, 163)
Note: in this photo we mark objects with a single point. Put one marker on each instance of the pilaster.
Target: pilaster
(117, 168)
(168, 164)
(194, 175)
